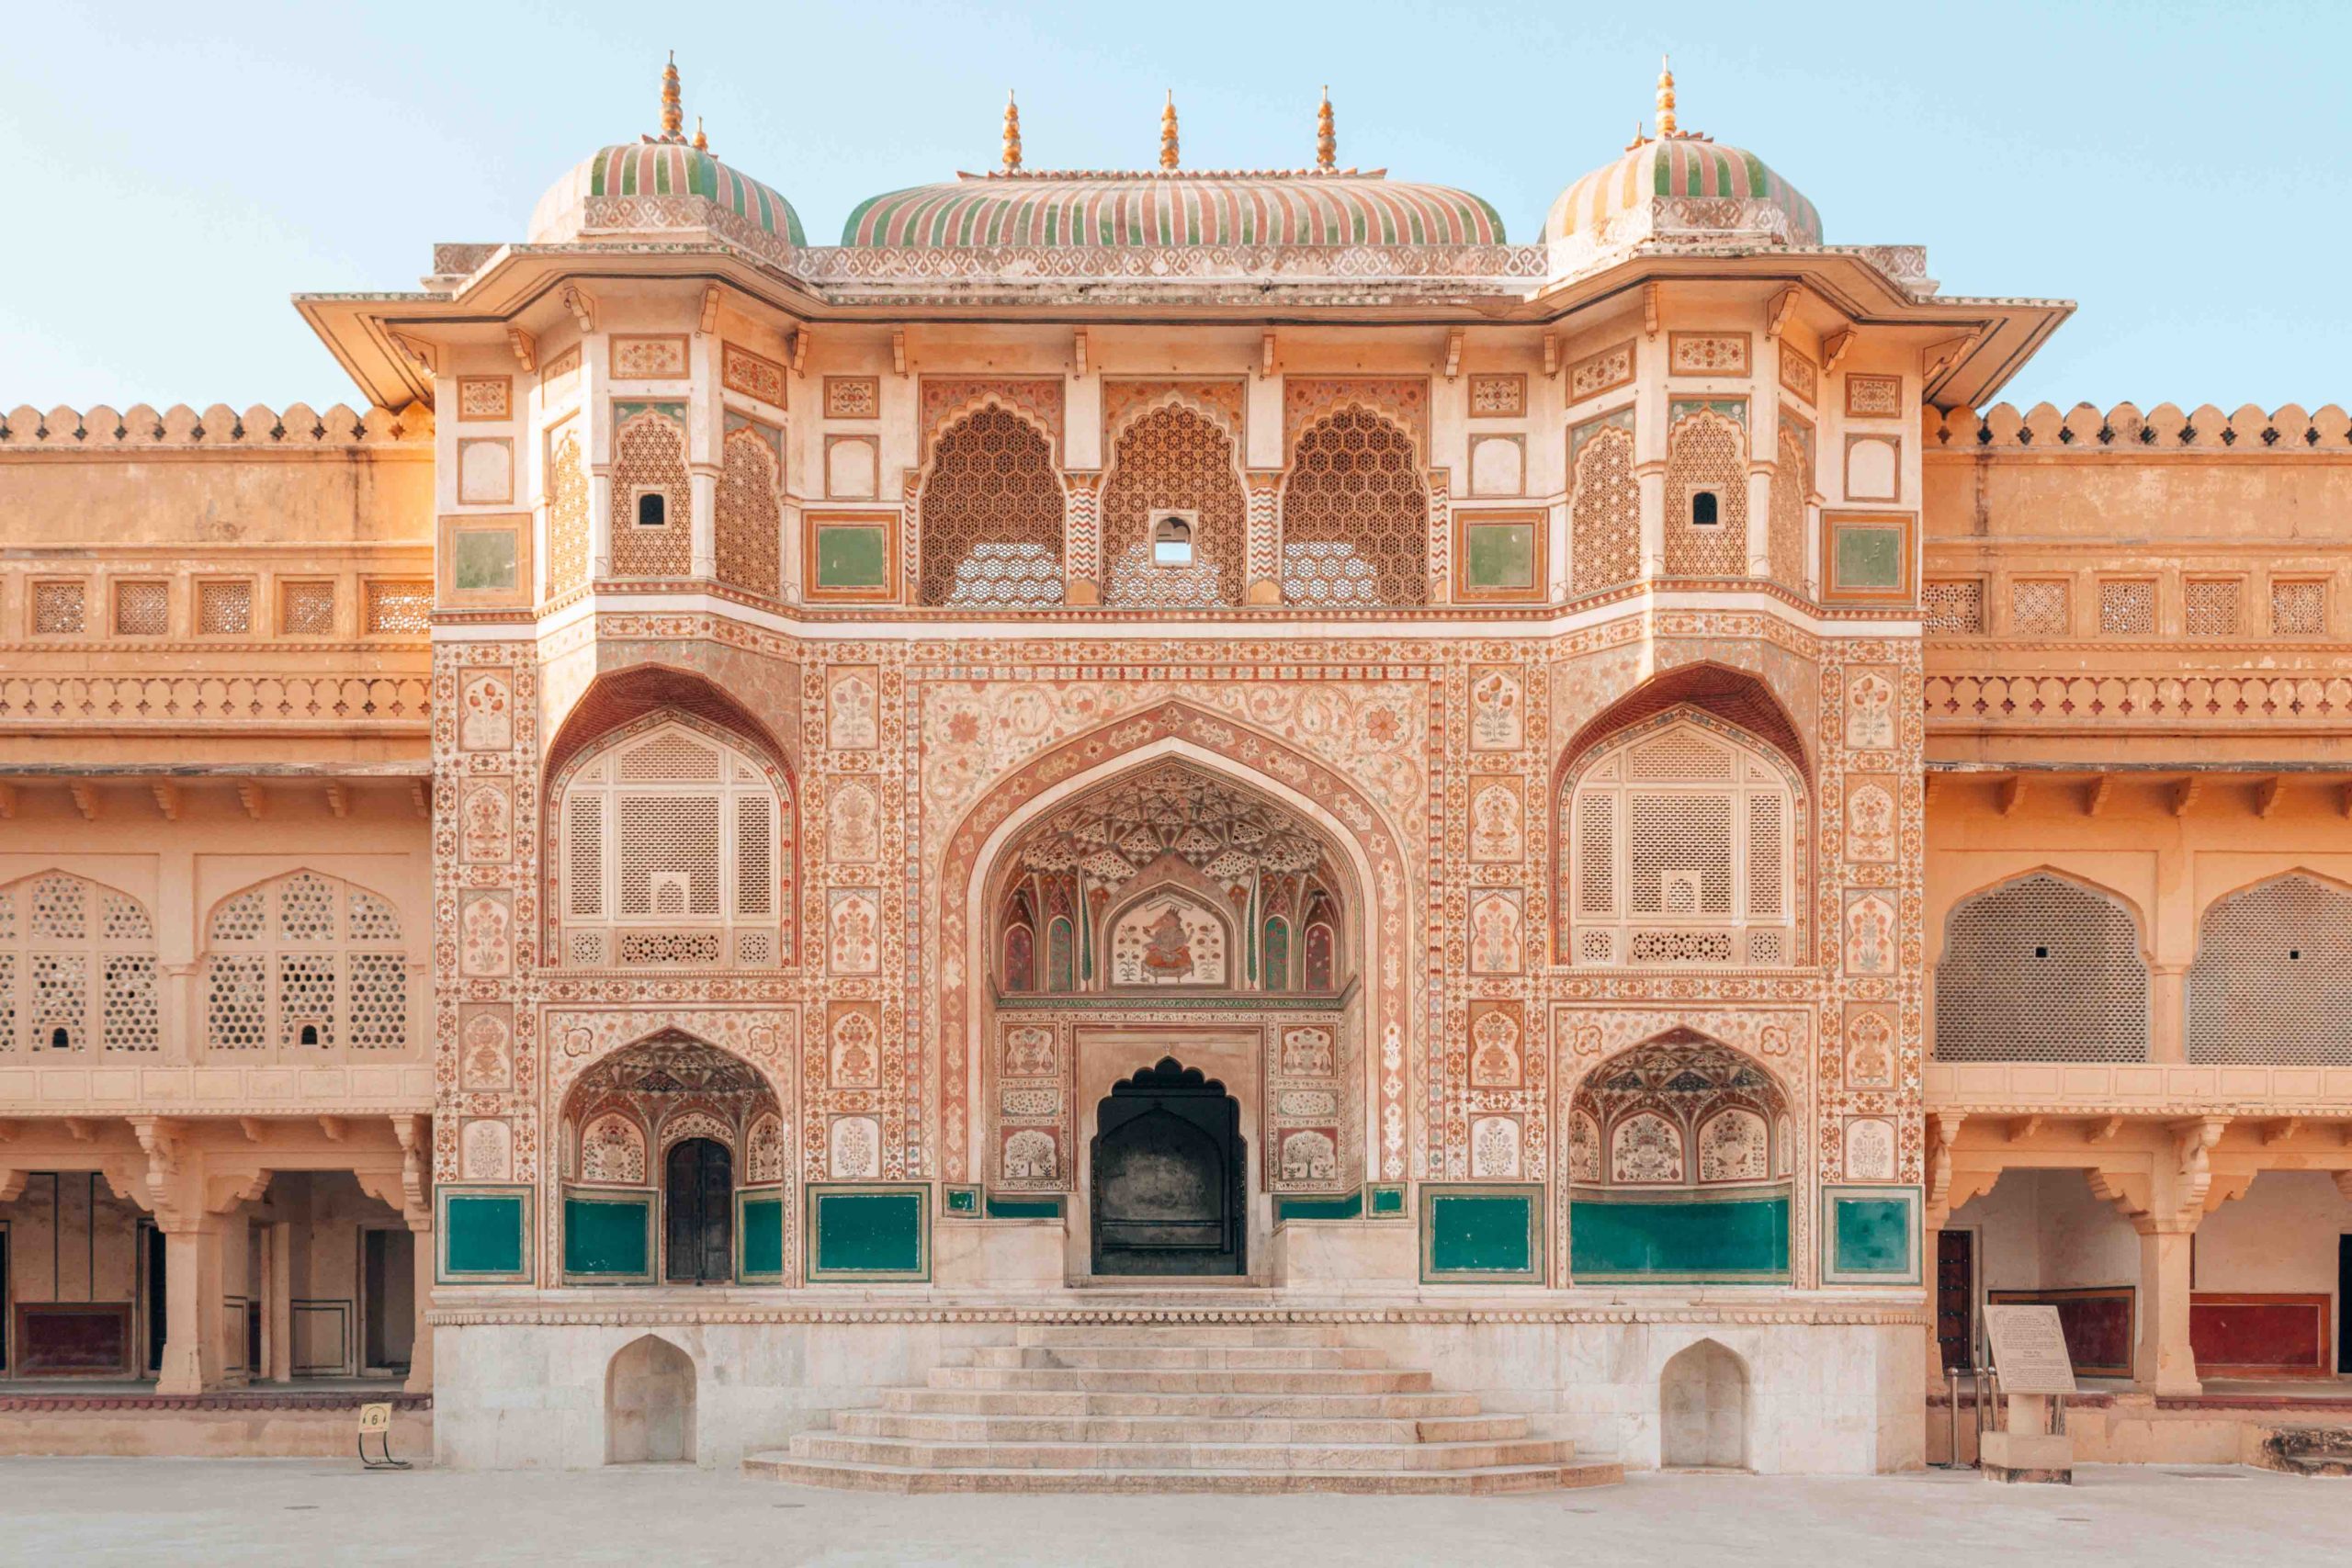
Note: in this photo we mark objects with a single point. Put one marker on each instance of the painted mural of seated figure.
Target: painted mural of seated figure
(1168, 955)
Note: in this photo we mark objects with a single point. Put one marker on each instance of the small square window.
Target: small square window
(1706, 512)
(59, 609)
(399, 606)
(2298, 608)
(224, 608)
(141, 609)
(651, 508)
(306, 609)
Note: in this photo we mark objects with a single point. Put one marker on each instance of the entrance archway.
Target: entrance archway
(698, 1212)
(1702, 1410)
(1168, 1168)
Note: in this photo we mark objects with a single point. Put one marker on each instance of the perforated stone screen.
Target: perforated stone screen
(2042, 970)
(2272, 981)
(992, 511)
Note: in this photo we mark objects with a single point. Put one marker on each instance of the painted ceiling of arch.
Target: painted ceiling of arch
(1681, 1067)
(1224, 833)
(670, 1064)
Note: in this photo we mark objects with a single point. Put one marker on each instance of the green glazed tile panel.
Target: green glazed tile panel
(608, 1235)
(1387, 1199)
(1341, 1206)
(1482, 1233)
(1721, 1238)
(1874, 1236)
(1502, 555)
(868, 1233)
(852, 555)
(759, 1229)
(483, 1235)
(1868, 555)
(1023, 1207)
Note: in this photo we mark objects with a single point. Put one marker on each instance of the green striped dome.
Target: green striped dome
(1073, 208)
(1678, 168)
(661, 169)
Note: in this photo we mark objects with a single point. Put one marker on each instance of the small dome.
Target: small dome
(656, 169)
(1070, 208)
(1687, 188)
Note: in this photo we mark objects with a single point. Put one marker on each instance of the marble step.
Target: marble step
(969, 1429)
(1134, 1379)
(907, 1478)
(1178, 1334)
(900, 1453)
(1082, 1402)
(1180, 1357)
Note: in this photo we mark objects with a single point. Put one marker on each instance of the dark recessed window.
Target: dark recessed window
(652, 509)
(2042, 953)
(309, 1034)
(2294, 953)
(58, 1040)
(1702, 509)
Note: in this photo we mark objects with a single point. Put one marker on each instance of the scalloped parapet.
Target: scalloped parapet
(2126, 428)
(298, 425)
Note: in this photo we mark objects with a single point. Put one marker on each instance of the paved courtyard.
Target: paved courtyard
(308, 1511)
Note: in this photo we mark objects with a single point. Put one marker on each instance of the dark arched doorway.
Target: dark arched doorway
(698, 1212)
(1168, 1173)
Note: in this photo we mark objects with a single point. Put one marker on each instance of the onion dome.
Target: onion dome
(623, 180)
(1683, 187)
(1169, 205)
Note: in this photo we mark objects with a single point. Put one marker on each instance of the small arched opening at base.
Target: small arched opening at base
(1169, 1176)
(1702, 1409)
(649, 1404)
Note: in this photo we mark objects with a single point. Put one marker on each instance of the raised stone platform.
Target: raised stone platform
(1179, 1408)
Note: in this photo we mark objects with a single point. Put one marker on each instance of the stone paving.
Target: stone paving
(310, 1511)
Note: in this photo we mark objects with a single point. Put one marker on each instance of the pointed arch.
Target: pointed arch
(1365, 842)
(2272, 979)
(1174, 454)
(1703, 1408)
(1355, 511)
(307, 965)
(668, 806)
(2042, 965)
(649, 1397)
(77, 967)
(990, 505)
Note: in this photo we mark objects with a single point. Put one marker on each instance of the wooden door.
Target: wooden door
(1956, 1298)
(698, 1200)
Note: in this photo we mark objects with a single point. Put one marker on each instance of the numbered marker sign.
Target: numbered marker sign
(375, 1418)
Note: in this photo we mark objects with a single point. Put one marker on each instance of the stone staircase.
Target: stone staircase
(1179, 1408)
(2306, 1450)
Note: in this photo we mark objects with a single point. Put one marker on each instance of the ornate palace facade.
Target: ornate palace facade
(1197, 765)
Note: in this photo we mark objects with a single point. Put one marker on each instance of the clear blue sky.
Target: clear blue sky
(178, 170)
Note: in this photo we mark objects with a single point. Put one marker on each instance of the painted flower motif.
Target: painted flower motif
(1381, 725)
(963, 728)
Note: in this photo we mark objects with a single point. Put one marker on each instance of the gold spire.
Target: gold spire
(1168, 132)
(673, 118)
(1667, 130)
(1326, 138)
(702, 142)
(1012, 131)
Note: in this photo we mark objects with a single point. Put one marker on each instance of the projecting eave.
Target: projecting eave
(1970, 347)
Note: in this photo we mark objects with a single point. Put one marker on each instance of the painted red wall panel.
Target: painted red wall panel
(2251, 1334)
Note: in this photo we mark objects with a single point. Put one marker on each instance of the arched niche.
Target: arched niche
(1702, 1409)
(1680, 1167)
(649, 1404)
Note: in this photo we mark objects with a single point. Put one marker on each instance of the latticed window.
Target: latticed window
(1173, 459)
(78, 968)
(991, 523)
(398, 606)
(2272, 982)
(566, 510)
(2041, 606)
(141, 609)
(58, 609)
(2210, 607)
(1681, 849)
(2298, 608)
(2041, 969)
(2127, 606)
(652, 535)
(303, 967)
(1355, 516)
(1706, 492)
(224, 607)
(674, 854)
(1953, 607)
(750, 510)
(1792, 485)
(1605, 504)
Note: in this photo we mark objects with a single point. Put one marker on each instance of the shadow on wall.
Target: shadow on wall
(649, 1404)
(1702, 1410)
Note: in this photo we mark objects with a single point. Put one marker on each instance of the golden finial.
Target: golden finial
(702, 142)
(1012, 131)
(1168, 132)
(1326, 138)
(673, 118)
(1641, 137)
(1667, 130)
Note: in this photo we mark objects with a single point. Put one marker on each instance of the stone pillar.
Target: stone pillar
(195, 1325)
(420, 1356)
(279, 1311)
(2169, 1013)
(2162, 1362)
(1759, 519)
(1651, 477)
(702, 480)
